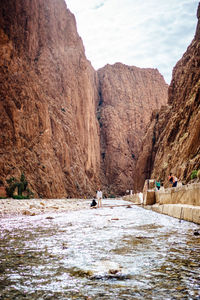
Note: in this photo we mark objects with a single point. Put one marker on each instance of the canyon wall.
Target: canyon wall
(48, 100)
(127, 97)
(172, 141)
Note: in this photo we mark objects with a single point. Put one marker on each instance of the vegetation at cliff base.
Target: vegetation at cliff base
(23, 192)
(194, 174)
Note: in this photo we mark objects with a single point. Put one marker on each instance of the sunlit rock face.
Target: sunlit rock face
(127, 97)
(172, 142)
(48, 100)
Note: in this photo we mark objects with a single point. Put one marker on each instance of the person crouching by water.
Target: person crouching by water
(93, 204)
(99, 198)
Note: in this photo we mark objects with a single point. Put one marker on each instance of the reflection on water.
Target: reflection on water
(119, 253)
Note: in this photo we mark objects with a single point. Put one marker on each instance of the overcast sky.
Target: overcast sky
(146, 34)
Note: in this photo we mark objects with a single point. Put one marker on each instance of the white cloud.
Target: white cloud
(153, 33)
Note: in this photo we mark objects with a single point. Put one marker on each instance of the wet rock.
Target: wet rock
(113, 271)
(76, 272)
(27, 212)
(108, 269)
(35, 206)
(55, 207)
(196, 232)
(64, 246)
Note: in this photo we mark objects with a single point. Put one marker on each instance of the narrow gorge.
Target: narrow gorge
(129, 95)
(70, 128)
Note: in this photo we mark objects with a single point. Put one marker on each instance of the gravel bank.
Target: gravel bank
(32, 207)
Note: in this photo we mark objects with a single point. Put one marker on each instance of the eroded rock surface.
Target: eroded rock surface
(128, 95)
(48, 100)
(172, 142)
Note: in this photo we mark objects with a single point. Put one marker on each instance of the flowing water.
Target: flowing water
(108, 253)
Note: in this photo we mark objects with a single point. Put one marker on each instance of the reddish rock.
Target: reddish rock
(48, 100)
(128, 95)
(49, 106)
(3, 193)
(176, 131)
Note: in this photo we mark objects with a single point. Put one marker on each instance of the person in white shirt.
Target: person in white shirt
(99, 198)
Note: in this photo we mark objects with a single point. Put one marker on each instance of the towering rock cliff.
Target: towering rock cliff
(172, 142)
(127, 97)
(48, 100)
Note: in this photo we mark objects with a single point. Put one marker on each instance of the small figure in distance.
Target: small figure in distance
(93, 204)
(172, 180)
(99, 198)
(162, 187)
(175, 180)
(158, 184)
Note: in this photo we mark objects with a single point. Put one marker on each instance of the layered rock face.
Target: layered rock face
(127, 97)
(172, 143)
(48, 100)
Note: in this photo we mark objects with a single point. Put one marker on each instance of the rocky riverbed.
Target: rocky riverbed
(114, 252)
(32, 207)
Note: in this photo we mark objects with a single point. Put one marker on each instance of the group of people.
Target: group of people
(171, 179)
(99, 197)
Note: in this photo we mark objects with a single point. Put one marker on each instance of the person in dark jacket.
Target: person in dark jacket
(93, 204)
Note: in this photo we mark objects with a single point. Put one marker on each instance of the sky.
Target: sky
(141, 33)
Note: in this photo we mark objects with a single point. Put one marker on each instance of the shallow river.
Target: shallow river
(107, 253)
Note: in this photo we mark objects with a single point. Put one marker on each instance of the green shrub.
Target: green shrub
(19, 197)
(21, 186)
(12, 184)
(193, 174)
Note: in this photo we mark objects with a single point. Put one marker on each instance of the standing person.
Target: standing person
(158, 184)
(99, 198)
(170, 179)
(175, 180)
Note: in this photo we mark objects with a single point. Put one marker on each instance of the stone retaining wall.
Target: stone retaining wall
(135, 198)
(186, 194)
(185, 212)
(182, 202)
